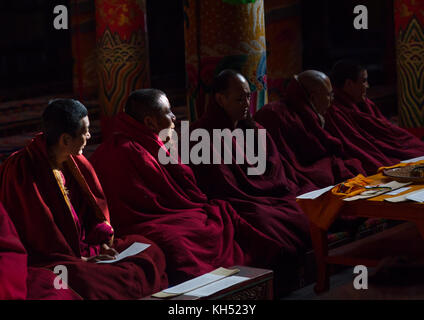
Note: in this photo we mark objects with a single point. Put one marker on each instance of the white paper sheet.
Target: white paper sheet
(216, 286)
(413, 160)
(395, 192)
(314, 194)
(193, 284)
(132, 250)
(402, 197)
(416, 196)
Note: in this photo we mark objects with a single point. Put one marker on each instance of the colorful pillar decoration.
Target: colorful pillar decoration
(221, 35)
(409, 30)
(283, 44)
(83, 30)
(123, 62)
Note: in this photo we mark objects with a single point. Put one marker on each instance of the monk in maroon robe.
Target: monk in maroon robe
(163, 202)
(57, 205)
(265, 198)
(355, 119)
(297, 126)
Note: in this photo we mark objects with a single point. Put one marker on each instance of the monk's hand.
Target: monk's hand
(106, 250)
(100, 257)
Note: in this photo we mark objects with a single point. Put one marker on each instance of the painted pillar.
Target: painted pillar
(221, 35)
(83, 30)
(409, 31)
(283, 44)
(122, 53)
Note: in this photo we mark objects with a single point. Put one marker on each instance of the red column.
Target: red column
(122, 47)
(409, 30)
(221, 35)
(283, 44)
(83, 28)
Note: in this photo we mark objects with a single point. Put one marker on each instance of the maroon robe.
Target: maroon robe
(17, 281)
(13, 261)
(164, 203)
(33, 197)
(310, 149)
(40, 285)
(266, 201)
(341, 125)
(365, 119)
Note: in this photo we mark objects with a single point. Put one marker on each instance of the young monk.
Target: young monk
(57, 205)
(297, 125)
(355, 118)
(265, 198)
(163, 201)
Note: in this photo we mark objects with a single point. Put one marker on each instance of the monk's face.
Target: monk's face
(322, 96)
(76, 144)
(357, 90)
(236, 100)
(164, 119)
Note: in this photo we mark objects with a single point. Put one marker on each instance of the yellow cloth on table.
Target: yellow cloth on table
(352, 186)
(323, 210)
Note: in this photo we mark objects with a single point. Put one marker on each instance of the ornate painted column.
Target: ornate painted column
(283, 44)
(122, 51)
(83, 30)
(224, 34)
(409, 30)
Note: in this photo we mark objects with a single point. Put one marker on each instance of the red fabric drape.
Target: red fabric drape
(13, 261)
(19, 281)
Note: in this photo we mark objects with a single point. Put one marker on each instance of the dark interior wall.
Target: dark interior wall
(165, 25)
(329, 35)
(35, 58)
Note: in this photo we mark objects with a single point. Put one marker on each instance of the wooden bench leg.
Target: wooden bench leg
(320, 245)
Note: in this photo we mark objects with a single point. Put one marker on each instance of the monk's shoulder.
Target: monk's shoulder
(134, 151)
(273, 110)
(18, 162)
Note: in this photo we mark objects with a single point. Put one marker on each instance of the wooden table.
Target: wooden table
(258, 287)
(369, 208)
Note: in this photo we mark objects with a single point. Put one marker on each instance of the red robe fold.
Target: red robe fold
(17, 281)
(13, 261)
(341, 125)
(32, 196)
(266, 201)
(366, 123)
(164, 203)
(304, 144)
(40, 285)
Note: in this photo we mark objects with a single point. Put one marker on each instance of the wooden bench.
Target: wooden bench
(258, 287)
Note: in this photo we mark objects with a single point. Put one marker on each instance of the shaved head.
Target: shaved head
(312, 79)
(231, 92)
(224, 79)
(318, 89)
(151, 107)
(144, 102)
